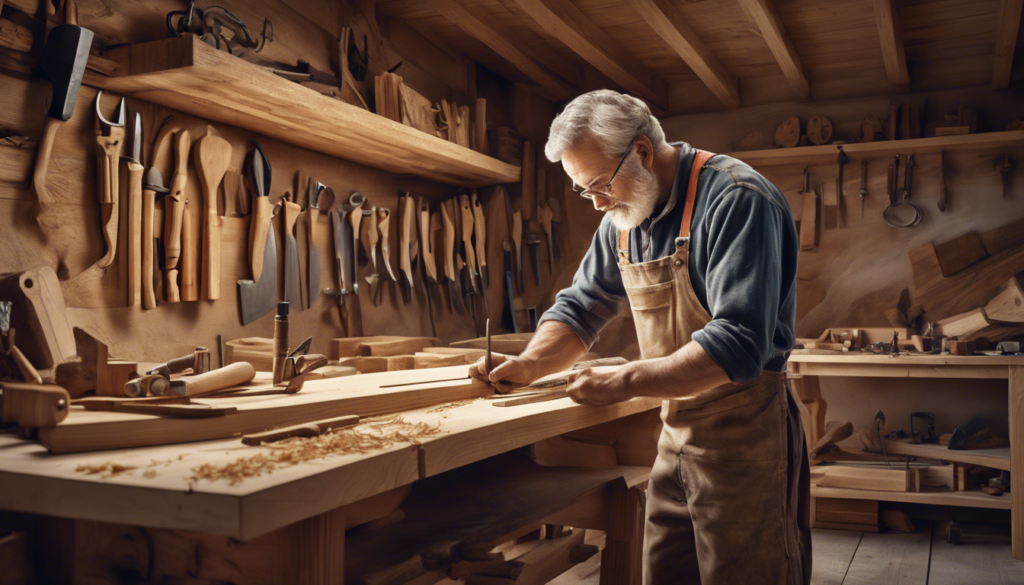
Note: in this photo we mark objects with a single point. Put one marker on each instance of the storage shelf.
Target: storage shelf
(189, 75)
(994, 458)
(827, 153)
(968, 499)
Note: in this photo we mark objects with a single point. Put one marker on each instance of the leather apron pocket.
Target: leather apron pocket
(652, 307)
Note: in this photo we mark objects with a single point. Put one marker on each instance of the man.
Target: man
(705, 251)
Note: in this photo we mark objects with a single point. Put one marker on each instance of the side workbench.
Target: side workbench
(805, 370)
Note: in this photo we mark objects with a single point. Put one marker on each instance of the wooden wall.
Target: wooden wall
(68, 237)
(856, 273)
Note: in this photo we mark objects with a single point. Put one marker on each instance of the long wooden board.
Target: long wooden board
(319, 399)
(189, 75)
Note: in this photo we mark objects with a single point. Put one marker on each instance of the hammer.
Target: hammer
(62, 64)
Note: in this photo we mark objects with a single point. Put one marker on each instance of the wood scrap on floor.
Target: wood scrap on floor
(883, 479)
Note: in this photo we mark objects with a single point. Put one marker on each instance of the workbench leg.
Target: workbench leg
(622, 557)
(808, 392)
(1016, 383)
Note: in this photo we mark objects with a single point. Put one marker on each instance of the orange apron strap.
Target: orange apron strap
(699, 159)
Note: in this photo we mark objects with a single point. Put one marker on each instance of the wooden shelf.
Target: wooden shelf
(193, 77)
(994, 458)
(904, 365)
(967, 499)
(827, 153)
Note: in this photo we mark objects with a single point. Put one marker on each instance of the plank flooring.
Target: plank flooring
(921, 558)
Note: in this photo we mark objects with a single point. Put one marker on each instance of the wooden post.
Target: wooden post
(1016, 383)
(622, 557)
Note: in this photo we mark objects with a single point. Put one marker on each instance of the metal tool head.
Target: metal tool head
(356, 199)
(155, 182)
(135, 141)
(5, 317)
(302, 349)
(62, 63)
(118, 114)
(259, 170)
(342, 254)
(314, 275)
(315, 188)
(292, 292)
(258, 298)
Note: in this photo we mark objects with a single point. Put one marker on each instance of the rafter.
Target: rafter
(670, 26)
(764, 16)
(570, 26)
(504, 46)
(1006, 42)
(892, 42)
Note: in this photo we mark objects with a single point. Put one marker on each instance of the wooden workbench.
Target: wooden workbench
(161, 493)
(806, 368)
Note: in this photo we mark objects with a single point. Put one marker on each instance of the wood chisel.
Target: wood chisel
(313, 429)
(373, 237)
(154, 184)
(448, 232)
(356, 201)
(318, 193)
(292, 274)
(480, 228)
(189, 271)
(406, 219)
(427, 261)
(553, 388)
(213, 155)
(509, 286)
(383, 221)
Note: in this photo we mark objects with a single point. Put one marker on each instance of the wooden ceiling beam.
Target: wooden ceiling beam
(1008, 26)
(891, 39)
(672, 28)
(570, 26)
(766, 18)
(506, 47)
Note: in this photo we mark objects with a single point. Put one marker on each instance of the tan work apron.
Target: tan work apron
(731, 476)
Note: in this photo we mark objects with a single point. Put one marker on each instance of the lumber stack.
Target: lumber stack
(447, 120)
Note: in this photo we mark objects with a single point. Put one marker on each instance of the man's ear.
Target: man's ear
(645, 149)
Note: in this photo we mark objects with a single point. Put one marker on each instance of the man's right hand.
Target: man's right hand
(514, 371)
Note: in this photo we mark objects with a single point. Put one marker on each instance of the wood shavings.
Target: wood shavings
(371, 434)
(452, 405)
(108, 469)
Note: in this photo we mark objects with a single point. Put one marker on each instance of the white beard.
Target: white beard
(644, 197)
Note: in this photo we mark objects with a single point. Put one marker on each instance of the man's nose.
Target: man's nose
(601, 203)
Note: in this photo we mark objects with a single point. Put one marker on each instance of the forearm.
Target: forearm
(686, 372)
(554, 348)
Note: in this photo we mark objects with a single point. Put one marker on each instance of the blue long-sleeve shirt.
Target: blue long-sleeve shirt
(742, 264)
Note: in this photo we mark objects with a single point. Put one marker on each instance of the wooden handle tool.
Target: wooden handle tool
(480, 225)
(544, 214)
(313, 429)
(189, 271)
(210, 382)
(213, 155)
(135, 237)
(426, 242)
(43, 159)
(34, 405)
(517, 241)
(108, 154)
(383, 223)
(405, 238)
(262, 212)
(467, 233)
(173, 213)
(373, 237)
(449, 241)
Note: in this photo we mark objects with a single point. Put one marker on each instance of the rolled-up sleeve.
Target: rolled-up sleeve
(596, 295)
(744, 270)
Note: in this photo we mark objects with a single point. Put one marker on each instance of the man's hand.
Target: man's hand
(514, 371)
(599, 386)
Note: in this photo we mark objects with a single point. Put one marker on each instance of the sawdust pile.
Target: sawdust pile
(108, 469)
(371, 434)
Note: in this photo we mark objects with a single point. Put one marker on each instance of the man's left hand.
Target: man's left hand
(599, 386)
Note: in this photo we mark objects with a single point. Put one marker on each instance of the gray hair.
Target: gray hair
(610, 117)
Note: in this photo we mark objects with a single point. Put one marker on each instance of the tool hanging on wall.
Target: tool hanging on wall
(356, 201)
(292, 276)
(133, 177)
(944, 170)
(213, 155)
(448, 237)
(1004, 165)
(533, 243)
(317, 192)
(62, 63)
(465, 284)
(407, 212)
(509, 293)
(556, 229)
(109, 142)
(152, 190)
(257, 296)
(342, 255)
(515, 232)
(428, 263)
(280, 341)
(899, 200)
(863, 185)
(174, 211)
(809, 215)
(383, 226)
(480, 237)
(841, 215)
(373, 236)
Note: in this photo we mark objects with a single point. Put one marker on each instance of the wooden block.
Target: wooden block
(960, 476)
(258, 351)
(965, 325)
(897, 521)
(867, 478)
(938, 476)
(1008, 304)
(959, 253)
(958, 347)
(40, 317)
(842, 511)
(1004, 238)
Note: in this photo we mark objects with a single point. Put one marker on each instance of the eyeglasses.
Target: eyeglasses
(589, 193)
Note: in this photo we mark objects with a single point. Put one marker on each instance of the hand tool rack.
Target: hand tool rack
(826, 153)
(190, 76)
(806, 369)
